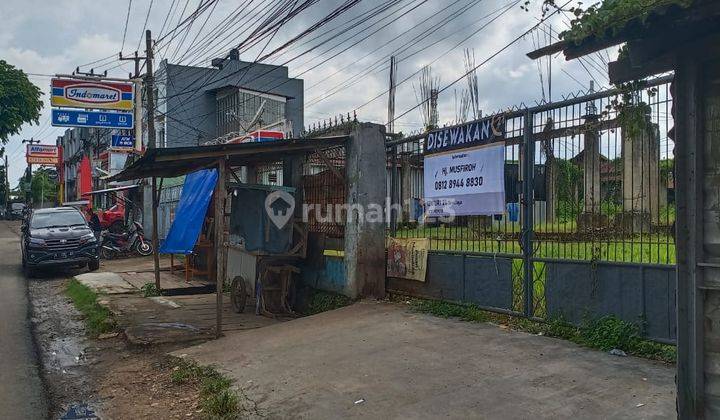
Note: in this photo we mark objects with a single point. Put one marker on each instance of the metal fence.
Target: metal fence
(598, 191)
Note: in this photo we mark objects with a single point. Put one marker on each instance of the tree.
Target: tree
(43, 188)
(19, 101)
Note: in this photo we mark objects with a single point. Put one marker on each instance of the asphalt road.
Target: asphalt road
(21, 391)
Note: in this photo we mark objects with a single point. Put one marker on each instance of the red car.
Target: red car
(112, 219)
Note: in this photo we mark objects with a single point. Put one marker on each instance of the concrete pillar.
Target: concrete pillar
(591, 172)
(640, 173)
(405, 186)
(365, 234)
(710, 254)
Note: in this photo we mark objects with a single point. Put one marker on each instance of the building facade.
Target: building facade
(196, 105)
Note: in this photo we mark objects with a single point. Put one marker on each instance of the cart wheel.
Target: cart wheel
(237, 294)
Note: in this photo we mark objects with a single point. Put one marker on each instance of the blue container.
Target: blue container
(513, 210)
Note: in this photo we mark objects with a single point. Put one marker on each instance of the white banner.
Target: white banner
(466, 182)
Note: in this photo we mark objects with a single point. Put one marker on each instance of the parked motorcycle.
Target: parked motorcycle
(125, 244)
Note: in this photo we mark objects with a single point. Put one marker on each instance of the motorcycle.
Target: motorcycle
(125, 244)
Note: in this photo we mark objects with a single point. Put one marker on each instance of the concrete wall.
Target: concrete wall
(639, 293)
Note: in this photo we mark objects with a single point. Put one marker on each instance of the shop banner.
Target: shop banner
(120, 142)
(98, 119)
(42, 154)
(407, 258)
(468, 181)
(90, 94)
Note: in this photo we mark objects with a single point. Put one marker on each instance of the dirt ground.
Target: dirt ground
(107, 377)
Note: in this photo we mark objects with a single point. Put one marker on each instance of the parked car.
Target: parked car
(16, 211)
(112, 219)
(58, 237)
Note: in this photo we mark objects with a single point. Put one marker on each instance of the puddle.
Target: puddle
(79, 411)
(66, 352)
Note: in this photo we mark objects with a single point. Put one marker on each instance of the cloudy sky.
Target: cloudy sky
(345, 72)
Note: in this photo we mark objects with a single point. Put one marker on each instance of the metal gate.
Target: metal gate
(588, 227)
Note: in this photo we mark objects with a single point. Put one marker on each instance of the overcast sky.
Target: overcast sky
(45, 37)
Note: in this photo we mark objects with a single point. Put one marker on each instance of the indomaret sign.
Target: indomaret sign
(465, 169)
(78, 93)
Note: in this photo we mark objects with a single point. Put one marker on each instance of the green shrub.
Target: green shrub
(98, 319)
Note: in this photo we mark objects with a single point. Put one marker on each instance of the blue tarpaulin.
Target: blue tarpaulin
(190, 212)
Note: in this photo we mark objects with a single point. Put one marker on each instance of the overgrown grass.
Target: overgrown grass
(217, 398)
(98, 319)
(149, 290)
(321, 301)
(604, 333)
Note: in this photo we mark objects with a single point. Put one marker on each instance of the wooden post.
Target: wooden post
(155, 242)
(220, 249)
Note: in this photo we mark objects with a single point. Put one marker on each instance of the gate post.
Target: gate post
(527, 163)
(366, 177)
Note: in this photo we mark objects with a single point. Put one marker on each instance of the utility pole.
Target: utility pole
(391, 95)
(7, 184)
(137, 60)
(29, 169)
(150, 86)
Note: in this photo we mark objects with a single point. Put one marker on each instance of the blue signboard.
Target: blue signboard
(122, 142)
(99, 119)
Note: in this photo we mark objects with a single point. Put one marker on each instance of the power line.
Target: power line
(495, 54)
(147, 16)
(379, 65)
(252, 37)
(447, 51)
(127, 19)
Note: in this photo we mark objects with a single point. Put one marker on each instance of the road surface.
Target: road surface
(21, 391)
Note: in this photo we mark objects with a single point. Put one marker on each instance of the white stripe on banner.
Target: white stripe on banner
(466, 181)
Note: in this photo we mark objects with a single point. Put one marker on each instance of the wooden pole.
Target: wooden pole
(155, 242)
(220, 249)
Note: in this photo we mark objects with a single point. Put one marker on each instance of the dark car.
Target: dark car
(58, 237)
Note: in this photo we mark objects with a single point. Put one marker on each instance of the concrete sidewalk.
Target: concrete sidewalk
(379, 360)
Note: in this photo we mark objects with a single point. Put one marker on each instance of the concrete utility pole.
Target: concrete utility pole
(7, 184)
(136, 59)
(29, 168)
(150, 86)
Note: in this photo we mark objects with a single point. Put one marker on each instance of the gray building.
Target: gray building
(199, 104)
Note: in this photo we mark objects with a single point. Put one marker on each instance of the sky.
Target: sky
(346, 72)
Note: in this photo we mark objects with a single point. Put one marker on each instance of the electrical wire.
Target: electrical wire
(127, 19)
(495, 54)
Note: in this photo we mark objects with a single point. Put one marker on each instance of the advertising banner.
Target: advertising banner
(98, 119)
(465, 181)
(475, 133)
(90, 94)
(42, 154)
(122, 143)
(407, 258)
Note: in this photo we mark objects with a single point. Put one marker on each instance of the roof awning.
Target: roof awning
(109, 190)
(177, 161)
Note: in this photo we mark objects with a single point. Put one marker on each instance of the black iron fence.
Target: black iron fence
(589, 184)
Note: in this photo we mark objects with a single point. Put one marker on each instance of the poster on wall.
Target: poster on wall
(407, 258)
(464, 171)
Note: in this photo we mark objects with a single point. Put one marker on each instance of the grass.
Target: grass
(603, 334)
(217, 398)
(644, 248)
(149, 290)
(321, 301)
(98, 319)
